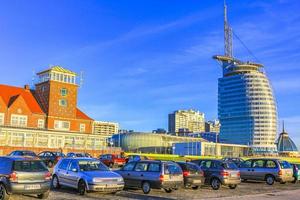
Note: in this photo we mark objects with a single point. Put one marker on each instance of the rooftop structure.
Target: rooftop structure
(285, 144)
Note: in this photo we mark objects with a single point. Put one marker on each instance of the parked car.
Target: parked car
(23, 153)
(269, 170)
(131, 158)
(219, 172)
(23, 175)
(296, 172)
(151, 174)
(112, 160)
(86, 174)
(79, 155)
(235, 160)
(50, 158)
(193, 176)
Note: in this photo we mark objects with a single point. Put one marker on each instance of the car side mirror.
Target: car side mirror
(74, 170)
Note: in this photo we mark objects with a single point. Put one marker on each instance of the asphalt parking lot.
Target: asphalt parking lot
(248, 190)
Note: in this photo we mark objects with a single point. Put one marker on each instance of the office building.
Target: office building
(212, 126)
(187, 120)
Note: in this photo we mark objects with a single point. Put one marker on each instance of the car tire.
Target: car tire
(50, 164)
(232, 186)
(55, 182)
(146, 187)
(82, 187)
(3, 193)
(168, 190)
(44, 195)
(215, 184)
(270, 179)
(195, 187)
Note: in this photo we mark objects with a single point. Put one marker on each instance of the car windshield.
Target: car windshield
(29, 166)
(58, 154)
(92, 166)
(285, 165)
(229, 165)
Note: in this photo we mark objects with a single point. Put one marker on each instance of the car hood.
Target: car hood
(102, 174)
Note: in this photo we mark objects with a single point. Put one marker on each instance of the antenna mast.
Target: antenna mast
(227, 34)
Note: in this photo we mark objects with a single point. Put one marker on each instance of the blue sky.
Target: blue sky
(143, 59)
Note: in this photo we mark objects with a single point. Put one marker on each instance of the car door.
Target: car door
(246, 169)
(258, 170)
(205, 166)
(62, 172)
(72, 173)
(139, 174)
(127, 174)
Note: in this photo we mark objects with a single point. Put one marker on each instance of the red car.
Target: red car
(111, 160)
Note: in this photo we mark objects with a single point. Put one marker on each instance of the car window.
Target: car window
(129, 166)
(206, 164)
(64, 164)
(154, 167)
(270, 164)
(73, 165)
(285, 165)
(229, 165)
(246, 164)
(141, 167)
(258, 163)
(92, 165)
(172, 169)
(41, 154)
(192, 168)
(29, 166)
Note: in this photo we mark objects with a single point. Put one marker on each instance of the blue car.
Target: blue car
(86, 174)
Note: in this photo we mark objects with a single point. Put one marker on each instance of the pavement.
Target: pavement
(245, 191)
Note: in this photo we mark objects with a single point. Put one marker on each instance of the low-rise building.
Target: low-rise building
(212, 126)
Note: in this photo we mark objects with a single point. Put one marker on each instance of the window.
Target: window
(18, 120)
(63, 102)
(141, 167)
(270, 164)
(1, 118)
(64, 164)
(172, 169)
(41, 123)
(73, 165)
(62, 125)
(258, 163)
(64, 92)
(129, 166)
(285, 165)
(246, 164)
(154, 167)
(82, 128)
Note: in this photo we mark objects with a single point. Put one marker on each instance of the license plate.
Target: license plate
(197, 181)
(32, 187)
(233, 175)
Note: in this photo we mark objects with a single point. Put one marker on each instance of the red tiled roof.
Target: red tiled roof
(9, 94)
(81, 115)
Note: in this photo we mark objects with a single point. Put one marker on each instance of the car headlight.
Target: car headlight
(120, 180)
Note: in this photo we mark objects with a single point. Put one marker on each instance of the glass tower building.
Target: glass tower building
(246, 106)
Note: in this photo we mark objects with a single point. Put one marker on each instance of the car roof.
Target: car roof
(79, 158)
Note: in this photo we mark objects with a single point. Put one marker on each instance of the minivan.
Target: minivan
(269, 170)
(151, 174)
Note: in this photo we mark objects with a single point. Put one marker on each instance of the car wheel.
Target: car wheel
(270, 180)
(50, 164)
(3, 193)
(215, 184)
(232, 186)
(146, 187)
(81, 187)
(44, 195)
(168, 190)
(55, 182)
(195, 187)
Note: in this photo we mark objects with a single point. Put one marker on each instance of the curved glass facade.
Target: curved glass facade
(246, 106)
(285, 143)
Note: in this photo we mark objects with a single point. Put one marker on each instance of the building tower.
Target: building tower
(285, 144)
(246, 104)
(56, 92)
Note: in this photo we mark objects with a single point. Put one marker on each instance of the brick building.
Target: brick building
(46, 117)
